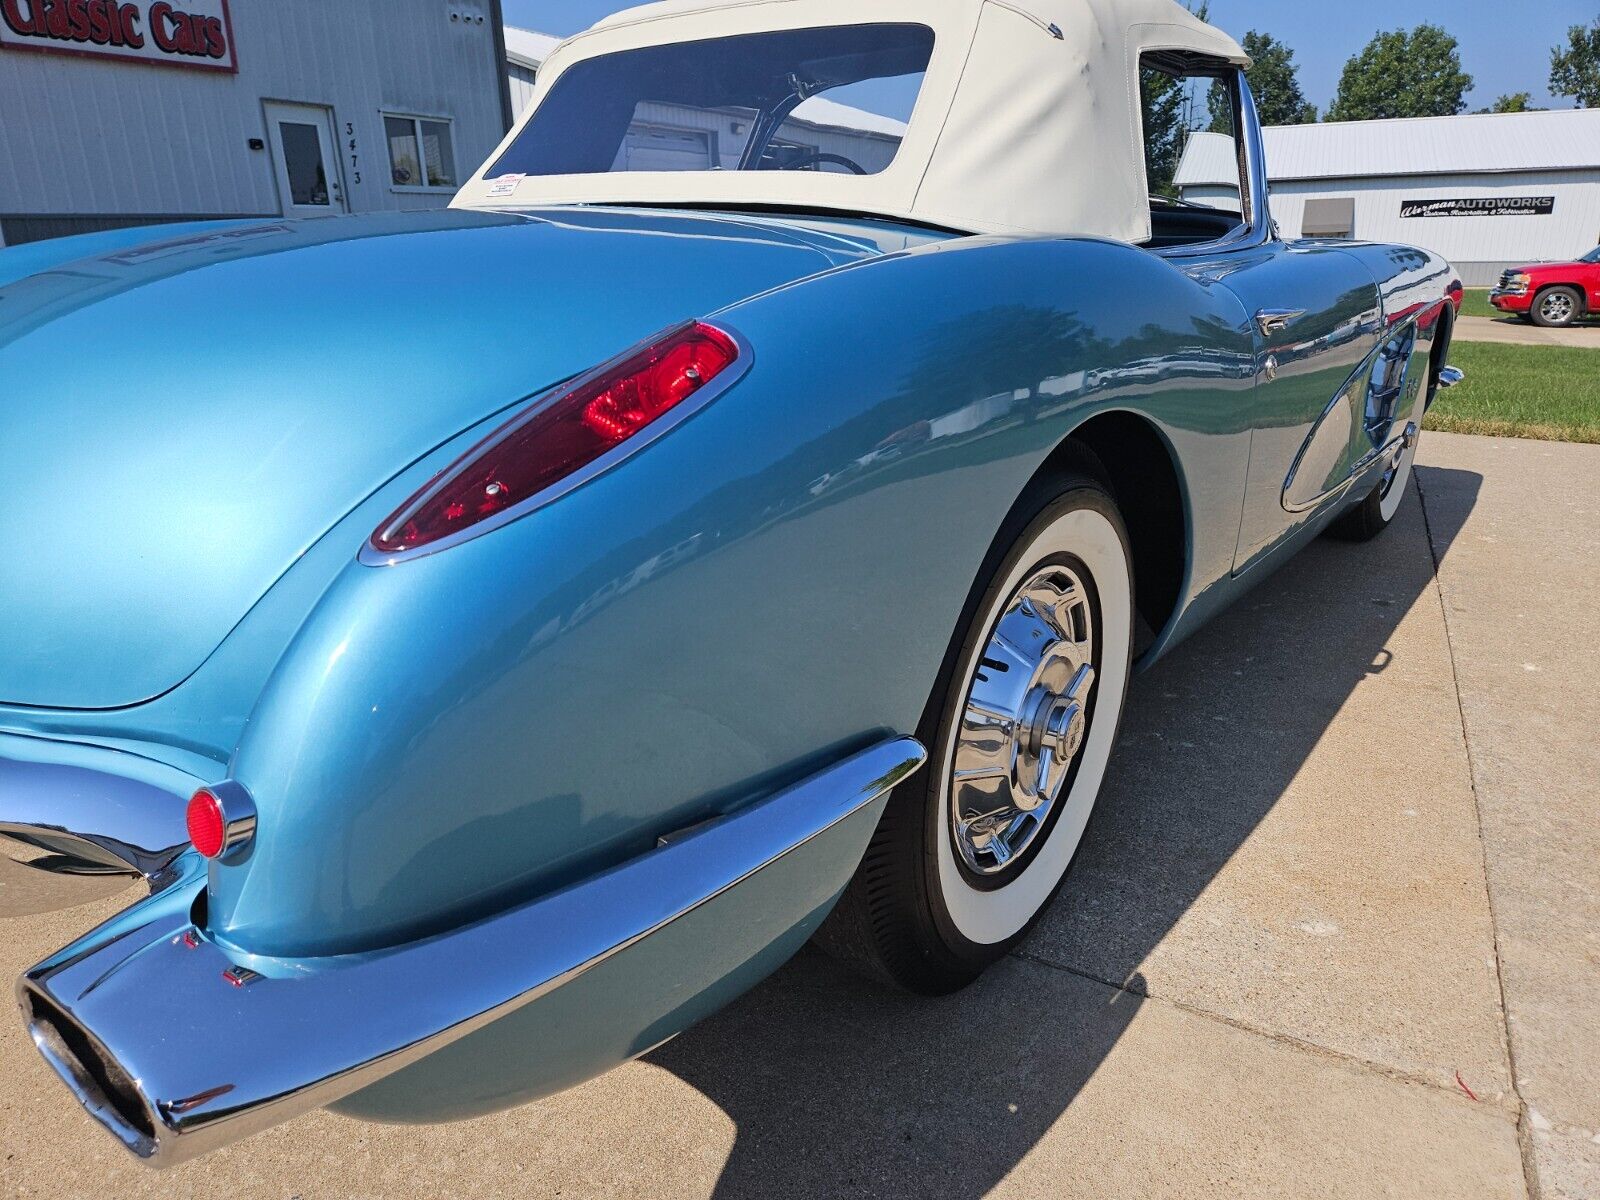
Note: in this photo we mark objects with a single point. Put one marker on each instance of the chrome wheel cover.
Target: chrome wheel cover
(1024, 719)
(1557, 307)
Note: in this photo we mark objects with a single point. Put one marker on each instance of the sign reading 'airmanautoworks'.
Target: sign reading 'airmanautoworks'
(182, 33)
(1481, 206)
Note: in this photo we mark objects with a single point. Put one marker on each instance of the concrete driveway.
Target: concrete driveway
(1335, 932)
(1508, 331)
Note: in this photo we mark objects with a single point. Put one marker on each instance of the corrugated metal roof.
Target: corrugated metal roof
(819, 110)
(1477, 143)
(528, 47)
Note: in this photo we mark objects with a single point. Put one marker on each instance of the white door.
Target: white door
(651, 148)
(304, 153)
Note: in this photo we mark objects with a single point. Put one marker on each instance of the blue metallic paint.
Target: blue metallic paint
(770, 586)
(731, 629)
(259, 384)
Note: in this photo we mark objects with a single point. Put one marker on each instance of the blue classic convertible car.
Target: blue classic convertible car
(499, 636)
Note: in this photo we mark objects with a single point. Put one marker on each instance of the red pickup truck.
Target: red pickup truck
(1551, 294)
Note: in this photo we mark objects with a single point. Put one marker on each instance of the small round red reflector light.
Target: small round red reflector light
(208, 829)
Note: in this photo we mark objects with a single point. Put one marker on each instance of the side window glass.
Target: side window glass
(1194, 159)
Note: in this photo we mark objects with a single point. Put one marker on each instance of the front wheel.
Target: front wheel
(1557, 307)
(1019, 731)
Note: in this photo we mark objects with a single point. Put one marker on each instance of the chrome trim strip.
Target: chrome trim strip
(370, 555)
(1361, 465)
(176, 1060)
(71, 834)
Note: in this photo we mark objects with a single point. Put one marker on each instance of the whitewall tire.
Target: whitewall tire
(1020, 730)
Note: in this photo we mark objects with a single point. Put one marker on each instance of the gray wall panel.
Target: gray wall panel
(86, 137)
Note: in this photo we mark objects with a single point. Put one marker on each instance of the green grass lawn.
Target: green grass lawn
(1477, 304)
(1549, 392)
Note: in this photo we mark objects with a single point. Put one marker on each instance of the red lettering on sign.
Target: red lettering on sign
(27, 26)
(168, 25)
(178, 32)
(99, 23)
(160, 14)
(129, 18)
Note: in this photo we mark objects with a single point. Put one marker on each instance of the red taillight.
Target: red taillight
(208, 828)
(221, 820)
(559, 437)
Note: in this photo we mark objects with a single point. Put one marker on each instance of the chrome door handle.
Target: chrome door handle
(1276, 320)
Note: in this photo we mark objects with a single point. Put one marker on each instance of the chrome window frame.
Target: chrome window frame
(1257, 227)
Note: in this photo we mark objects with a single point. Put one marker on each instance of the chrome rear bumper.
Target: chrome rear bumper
(178, 1044)
(70, 834)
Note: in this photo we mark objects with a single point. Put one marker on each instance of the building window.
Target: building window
(421, 155)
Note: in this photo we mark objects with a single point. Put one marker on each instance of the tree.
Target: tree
(1575, 67)
(1275, 82)
(1515, 102)
(1166, 127)
(1169, 117)
(1400, 74)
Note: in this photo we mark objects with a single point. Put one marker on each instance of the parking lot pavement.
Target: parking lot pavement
(1509, 332)
(1345, 820)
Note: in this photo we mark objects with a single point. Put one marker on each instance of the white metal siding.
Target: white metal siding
(1480, 247)
(522, 81)
(1382, 164)
(87, 137)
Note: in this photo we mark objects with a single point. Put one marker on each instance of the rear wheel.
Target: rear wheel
(1019, 731)
(1557, 307)
(1372, 516)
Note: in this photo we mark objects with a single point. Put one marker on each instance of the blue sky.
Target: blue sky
(1505, 44)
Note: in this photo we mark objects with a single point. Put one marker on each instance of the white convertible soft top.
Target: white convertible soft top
(1028, 120)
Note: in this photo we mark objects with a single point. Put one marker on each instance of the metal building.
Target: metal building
(145, 111)
(666, 137)
(1487, 191)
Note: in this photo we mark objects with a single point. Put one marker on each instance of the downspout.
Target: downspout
(497, 17)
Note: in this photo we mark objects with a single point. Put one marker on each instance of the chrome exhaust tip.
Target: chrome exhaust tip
(97, 1079)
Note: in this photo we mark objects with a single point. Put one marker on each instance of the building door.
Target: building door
(652, 148)
(305, 158)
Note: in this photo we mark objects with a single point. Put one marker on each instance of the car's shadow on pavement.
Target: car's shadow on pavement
(838, 1086)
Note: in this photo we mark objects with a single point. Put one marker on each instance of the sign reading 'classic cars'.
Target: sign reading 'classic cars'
(182, 33)
(1481, 206)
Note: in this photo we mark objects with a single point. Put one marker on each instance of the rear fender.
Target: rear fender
(458, 732)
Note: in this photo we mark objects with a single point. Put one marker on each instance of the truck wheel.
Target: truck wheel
(1019, 730)
(1557, 307)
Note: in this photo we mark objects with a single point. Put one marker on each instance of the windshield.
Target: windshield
(1592, 257)
(835, 100)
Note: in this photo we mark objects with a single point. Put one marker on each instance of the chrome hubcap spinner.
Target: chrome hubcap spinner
(1023, 721)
